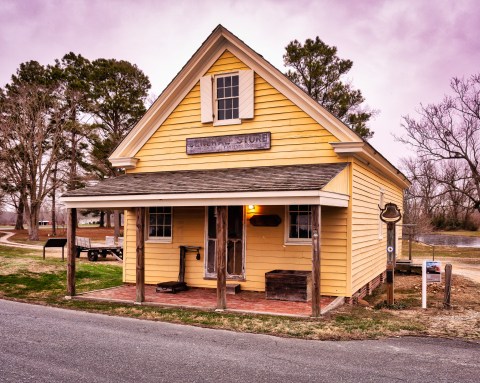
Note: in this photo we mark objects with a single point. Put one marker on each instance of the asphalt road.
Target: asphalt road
(41, 344)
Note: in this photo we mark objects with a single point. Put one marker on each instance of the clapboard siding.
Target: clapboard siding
(296, 137)
(265, 250)
(368, 249)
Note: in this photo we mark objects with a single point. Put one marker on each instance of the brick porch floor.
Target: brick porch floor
(246, 301)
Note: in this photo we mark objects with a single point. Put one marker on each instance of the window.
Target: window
(227, 99)
(299, 223)
(160, 223)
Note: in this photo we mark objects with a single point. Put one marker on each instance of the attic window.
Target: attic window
(227, 98)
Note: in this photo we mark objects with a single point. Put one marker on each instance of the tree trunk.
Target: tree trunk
(54, 207)
(33, 213)
(109, 219)
(116, 224)
(20, 209)
(102, 219)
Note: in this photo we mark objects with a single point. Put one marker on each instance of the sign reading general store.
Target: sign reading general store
(231, 143)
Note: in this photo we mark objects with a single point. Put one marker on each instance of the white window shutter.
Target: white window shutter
(246, 85)
(206, 99)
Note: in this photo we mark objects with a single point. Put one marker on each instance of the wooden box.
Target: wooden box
(288, 285)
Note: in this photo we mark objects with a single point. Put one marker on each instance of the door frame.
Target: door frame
(244, 247)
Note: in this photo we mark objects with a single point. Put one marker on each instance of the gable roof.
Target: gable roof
(214, 46)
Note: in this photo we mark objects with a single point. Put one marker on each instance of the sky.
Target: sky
(404, 52)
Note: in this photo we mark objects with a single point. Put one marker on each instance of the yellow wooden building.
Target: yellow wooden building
(232, 131)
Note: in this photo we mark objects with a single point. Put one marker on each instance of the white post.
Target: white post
(424, 285)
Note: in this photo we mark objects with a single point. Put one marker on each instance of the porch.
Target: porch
(206, 299)
(219, 192)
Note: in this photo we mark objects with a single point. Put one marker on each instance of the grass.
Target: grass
(24, 276)
(420, 250)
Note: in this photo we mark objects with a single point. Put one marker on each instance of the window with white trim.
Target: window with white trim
(160, 223)
(227, 98)
(299, 224)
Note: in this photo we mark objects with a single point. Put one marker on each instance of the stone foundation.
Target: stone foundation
(367, 289)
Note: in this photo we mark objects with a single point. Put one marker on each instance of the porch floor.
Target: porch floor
(206, 299)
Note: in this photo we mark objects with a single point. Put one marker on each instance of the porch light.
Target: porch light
(251, 207)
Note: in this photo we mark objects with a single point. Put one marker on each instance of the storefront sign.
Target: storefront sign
(232, 143)
(431, 272)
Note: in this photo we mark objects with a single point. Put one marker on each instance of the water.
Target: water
(448, 240)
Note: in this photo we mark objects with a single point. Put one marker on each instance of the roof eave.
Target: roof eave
(368, 155)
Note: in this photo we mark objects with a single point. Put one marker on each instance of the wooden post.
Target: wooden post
(220, 257)
(71, 250)
(316, 238)
(448, 286)
(140, 255)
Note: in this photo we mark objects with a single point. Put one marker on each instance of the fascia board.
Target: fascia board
(209, 199)
(366, 154)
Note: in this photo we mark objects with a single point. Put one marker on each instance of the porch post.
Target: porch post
(316, 239)
(220, 257)
(140, 255)
(71, 250)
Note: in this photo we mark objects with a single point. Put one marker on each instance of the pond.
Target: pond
(448, 240)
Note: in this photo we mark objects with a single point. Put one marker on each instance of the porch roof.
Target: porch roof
(225, 186)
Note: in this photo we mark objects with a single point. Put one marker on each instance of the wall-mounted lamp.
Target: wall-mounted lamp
(251, 207)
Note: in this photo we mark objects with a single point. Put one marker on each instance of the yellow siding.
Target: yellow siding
(340, 184)
(368, 249)
(265, 251)
(296, 137)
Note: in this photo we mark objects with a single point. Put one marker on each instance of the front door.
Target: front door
(235, 242)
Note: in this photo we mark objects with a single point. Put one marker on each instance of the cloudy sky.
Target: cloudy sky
(404, 52)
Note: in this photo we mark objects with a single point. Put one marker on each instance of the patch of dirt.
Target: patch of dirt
(25, 264)
(461, 320)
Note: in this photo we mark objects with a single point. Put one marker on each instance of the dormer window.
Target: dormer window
(227, 98)
(227, 101)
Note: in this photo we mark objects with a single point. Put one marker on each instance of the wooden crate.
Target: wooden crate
(288, 285)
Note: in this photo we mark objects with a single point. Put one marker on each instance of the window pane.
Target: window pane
(221, 104)
(235, 113)
(228, 81)
(234, 80)
(220, 93)
(235, 91)
(228, 115)
(221, 115)
(228, 104)
(220, 82)
(168, 219)
(228, 92)
(235, 102)
(167, 231)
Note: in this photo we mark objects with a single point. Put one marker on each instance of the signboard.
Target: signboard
(433, 271)
(231, 143)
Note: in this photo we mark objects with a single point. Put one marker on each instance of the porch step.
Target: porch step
(233, 288)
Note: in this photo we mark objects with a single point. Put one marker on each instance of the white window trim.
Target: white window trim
(381, 204)
(208, 101)
(158, 239)
(293, 241)
(216, 121)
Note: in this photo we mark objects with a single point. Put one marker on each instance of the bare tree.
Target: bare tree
(448, 133)
(31, 131)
